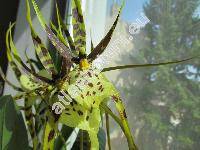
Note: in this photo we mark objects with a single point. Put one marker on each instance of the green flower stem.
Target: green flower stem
(108, 131)
(35, 143)
(81, 140)
(123, 123)
(107, 110)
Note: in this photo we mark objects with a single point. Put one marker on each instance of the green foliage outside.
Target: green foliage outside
(165, 101)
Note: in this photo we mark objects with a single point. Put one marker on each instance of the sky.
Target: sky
(132, 9)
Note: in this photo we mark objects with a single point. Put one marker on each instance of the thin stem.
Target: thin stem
(81, 140)
(108, 131)
(107, 110)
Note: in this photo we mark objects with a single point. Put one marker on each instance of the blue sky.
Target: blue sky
(132, 9)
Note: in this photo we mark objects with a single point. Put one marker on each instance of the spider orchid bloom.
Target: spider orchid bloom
(84, 108)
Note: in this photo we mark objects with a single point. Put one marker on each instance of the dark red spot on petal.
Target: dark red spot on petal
(89, 73)
(51, 135)
(124, 114)
(100, 87)
(87, 118)
(87, 93)
(90, 84)
(80, 113)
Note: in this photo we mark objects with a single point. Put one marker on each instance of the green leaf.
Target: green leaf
(13, 133)
(61, 140)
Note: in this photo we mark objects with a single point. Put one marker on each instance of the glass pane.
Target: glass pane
(163, 102)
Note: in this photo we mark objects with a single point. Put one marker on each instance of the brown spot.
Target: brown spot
(124, 114)
(90, 84)
(44, 51)
(67, 109)
(93, 92)
(71, 103)
(79, 81)
(80, 18)
(74, 109)
(38, 39)
(56, 116)
(51, 135)
(80, 113)
(90, 75)
(98, 83)
(77, 16)
(82, 96)
(68, 114)
(75, 26)
(93, 102)
(47, 62)
(87, 118)
(100, 87)
(75, 102)
(88, 93)
(115, 98)
(91, 109)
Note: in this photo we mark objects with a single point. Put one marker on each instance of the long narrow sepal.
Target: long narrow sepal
(28, 60)
(78, 24)
(66, 31)
(62, 49)
(29, 116)
(41, 50)
(11, 61)
(16, 56)
(123, 117)
(49, 137)
(8, 82)
(99, 49)
(147, 65)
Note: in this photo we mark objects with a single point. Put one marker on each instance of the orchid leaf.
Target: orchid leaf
(12, 128)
